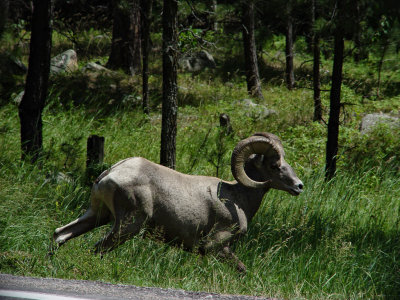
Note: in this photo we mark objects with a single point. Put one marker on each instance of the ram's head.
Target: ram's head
(258, 162)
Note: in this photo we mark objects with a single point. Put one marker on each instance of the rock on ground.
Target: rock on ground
(64, 62)
(372, 120)
(197, 62)
(254, 110)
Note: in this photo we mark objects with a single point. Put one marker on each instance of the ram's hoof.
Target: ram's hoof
(241, 268)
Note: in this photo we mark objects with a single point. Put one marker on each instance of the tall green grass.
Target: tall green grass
(339, 239)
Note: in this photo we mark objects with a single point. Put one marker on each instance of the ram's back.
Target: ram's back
(185, 206)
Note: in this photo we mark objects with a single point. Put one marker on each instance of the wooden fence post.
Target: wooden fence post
(225, 122)
(94, 157)
(95, 150)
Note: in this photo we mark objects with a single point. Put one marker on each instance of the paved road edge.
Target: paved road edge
(105, 291)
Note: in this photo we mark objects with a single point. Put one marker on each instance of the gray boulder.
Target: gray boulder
(64, 62)
(372, 120)
(197, 62)
(59, 178)
(94, 67)
(131, 100)
(93, 70)
(254, 110)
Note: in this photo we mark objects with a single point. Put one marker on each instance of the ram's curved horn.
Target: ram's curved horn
(260, 143)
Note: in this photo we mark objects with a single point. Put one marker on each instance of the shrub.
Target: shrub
(377, 148)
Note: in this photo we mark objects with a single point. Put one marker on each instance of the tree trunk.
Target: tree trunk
(316, 73)
(94, 157)
(33, 101)
(4, 6)
(380, 65)
(359, 53)
(250, 51)
(126, 41)
(146, 20)
(333, 124)
(357, 33)
(289, 73)
(170, 87)
(94, 150)
(214, 17)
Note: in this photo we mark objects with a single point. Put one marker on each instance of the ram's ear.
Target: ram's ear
(259, 160)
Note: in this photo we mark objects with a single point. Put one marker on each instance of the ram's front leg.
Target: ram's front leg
(227, 253)
(219, 241)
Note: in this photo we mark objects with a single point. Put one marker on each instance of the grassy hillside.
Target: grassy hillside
(338, 239)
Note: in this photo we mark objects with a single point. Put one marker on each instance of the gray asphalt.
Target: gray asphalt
(18, 287)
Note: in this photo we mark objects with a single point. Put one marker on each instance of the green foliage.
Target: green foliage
(213, 146)
(189, 39)
(329, 232)
(106, 90)
(363, 77)
(91, 43)
(381, 144)
(193, 39)
(339, 239)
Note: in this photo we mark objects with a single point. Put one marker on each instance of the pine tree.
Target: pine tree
(170, 87)
(33, 102)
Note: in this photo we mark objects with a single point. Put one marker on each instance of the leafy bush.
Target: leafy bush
(379, 147)
(108, 91)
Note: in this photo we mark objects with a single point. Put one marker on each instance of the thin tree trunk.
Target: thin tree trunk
(94, 151)
(4, 6)
(214, 10)
(33, 101)
(359, 52)
(380, 65)
(170, 88)
(146, 19)
(126, 41)
(250, 51)
(357, 40)
(333, 124)
(289, 73)
(316, 73)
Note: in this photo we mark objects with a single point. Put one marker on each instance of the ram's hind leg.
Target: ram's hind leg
(123, 229)
(83, 224)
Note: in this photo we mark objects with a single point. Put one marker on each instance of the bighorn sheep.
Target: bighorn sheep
(194, 211)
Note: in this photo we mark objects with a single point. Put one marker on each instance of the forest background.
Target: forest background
(312, 69)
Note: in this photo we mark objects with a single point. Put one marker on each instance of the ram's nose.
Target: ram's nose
(297, 188)
(300, 186)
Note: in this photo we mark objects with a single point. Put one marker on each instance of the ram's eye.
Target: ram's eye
(274, 167)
